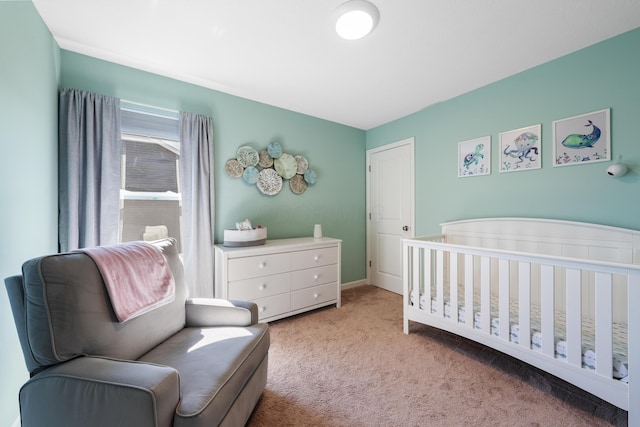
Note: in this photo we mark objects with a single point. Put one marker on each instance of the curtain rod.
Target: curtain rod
(139, 107)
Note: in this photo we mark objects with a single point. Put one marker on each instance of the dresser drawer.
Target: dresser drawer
(272, 306)
(259, 287)
(314, 258)
(259, 265)
(314, 276)
(312, 296)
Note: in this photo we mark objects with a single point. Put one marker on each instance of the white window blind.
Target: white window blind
(150, 203)
(143, 120)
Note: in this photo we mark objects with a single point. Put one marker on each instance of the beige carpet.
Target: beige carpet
(353, 366)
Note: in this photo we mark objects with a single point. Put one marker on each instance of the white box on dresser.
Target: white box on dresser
(283, 277)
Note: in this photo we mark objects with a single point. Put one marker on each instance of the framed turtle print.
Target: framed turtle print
(521, 149)
(582, 139)
(474, 157)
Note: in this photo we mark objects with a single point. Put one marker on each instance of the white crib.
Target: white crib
(562, 296)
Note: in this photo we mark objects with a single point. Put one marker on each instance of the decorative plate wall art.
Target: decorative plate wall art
(302, 165)
(310, 176)
(266, 161)
(274, 149)
(298, 184)
(251, 174)
(268, 169)
(286, 166)
(269, 182)
(247, 156)
(233, 168)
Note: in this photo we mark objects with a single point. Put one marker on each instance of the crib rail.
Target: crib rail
(438, 275)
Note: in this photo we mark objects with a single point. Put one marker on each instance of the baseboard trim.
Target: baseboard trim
(354, 284)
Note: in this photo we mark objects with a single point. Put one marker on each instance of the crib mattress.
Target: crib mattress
(619, 362)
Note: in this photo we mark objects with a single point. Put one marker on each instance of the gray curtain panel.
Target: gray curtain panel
(196, 176)
(89, 169)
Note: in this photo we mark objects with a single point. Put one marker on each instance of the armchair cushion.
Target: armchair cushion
(122, 393)
(214, 365)
(219, 312)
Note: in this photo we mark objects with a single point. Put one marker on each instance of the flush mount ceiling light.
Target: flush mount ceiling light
(355, 19)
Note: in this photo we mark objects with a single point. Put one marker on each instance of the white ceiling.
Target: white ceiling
(285, 52)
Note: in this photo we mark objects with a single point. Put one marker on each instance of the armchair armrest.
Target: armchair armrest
(101, 392)
(202, 312)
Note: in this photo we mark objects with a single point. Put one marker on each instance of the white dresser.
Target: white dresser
(283, 277)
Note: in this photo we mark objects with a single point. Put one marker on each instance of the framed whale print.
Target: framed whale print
(474, 157)
(521, 149)
(582, 139)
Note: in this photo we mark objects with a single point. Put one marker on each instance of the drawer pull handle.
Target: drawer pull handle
(262, 309)
(316, 277)
(315, 296)
(262, 287)
(263, 264)
(316, 258)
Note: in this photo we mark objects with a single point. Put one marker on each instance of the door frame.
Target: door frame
(412, 226)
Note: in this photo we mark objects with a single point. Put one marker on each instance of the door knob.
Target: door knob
(405, 228)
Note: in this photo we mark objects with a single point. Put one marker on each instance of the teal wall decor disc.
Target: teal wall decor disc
(274, 149)
(310, 176)
(251, 175)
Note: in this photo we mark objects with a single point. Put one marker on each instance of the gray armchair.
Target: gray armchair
(200, 362)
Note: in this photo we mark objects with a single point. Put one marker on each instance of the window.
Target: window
(150, 202)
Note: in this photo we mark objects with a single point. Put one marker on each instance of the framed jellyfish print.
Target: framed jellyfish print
(474, 157)
(521, 149)
(582, 139)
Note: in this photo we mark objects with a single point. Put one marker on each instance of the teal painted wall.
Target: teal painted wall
(335, 151)
(28, 169)
(601, 76)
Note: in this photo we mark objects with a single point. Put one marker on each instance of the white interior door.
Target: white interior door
(390, 203)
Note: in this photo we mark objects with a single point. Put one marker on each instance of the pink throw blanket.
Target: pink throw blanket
(136, 275)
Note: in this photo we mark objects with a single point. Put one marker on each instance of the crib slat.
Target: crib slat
(574, 317)
(633, 296)
(504, 298)
(468, 290)
(485, 294)
(416, 263)
(407, 287)
(604, 319)
(547, 310)
(440, 283)
(524, 303)
(453, 285)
